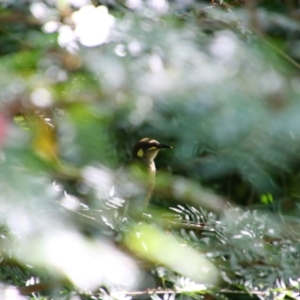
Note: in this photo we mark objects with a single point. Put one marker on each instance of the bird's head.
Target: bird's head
(146, 149)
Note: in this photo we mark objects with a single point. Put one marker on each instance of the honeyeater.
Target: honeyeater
(140, 175)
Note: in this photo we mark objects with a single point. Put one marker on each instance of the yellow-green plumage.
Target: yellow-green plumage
(142, 164)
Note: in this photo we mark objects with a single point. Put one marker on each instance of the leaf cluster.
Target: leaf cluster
(217, 81)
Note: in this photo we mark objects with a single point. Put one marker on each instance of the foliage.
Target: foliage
(81, 82)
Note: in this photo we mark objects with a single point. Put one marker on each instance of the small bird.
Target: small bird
(143, 155)
(135, 181)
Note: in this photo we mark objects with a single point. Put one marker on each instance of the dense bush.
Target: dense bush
(82, 82)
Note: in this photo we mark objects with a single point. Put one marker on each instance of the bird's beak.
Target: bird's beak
(163, 146)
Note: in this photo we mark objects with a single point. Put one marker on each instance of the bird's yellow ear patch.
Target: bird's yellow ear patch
(140, 153)
(152, 148)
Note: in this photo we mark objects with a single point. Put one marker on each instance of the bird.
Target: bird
(136, 179)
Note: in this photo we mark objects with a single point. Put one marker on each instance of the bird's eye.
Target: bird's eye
(140, 153)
